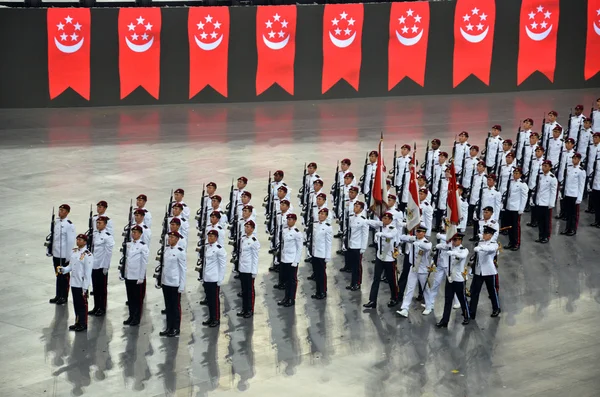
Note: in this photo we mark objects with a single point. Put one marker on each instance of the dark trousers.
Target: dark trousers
(212, 291)
(291, 283)
(595, 200)
(62, 280)
(401, 205)
(390, 274)
(173, 306)
(247, 292)
(284, 268)
(320, 269)
(99, 283)
(135, 299)
(534, 215)
(437, 218)
(455, 288)
(80, 304)
(571, 211)
(490, 285)
(404, 276)
(354, 263)
(470, 213)
(513, 219)
(544, 221)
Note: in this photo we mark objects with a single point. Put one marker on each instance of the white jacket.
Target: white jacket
(80, 267)
(322, 238)
(249, 255)
(486, 251)
(291, 245)
(174, 267)
(137, 260)
(215, 263)
(64, 238)
(103, 248)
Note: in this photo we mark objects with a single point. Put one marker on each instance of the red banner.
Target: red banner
(139, 50)
(474, 22)
(276, 46)
(69, 33)
(409, 33)
(342, 42)
(208, 34)
(537, 38)
(592, 51)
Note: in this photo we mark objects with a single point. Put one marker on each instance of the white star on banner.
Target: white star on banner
(469, 27)
(200, 26)
(145, 36)
(338, 31)
(409, 12)
(284, 24)
(343, 15)
(77, 26)
(74, 37)
(63, 36)
(140, 20)
(217, 25)
(271, 34)
(417, 19)
(208, 18)
(269, 24)
(281, 33)
(60, 26)
(547, 14)
(134, 36)
(68, 19)
(401, 20)
(540, 9)
(334, 21)
(276, 17)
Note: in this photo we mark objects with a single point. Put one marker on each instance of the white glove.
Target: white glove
(362, 252)
(141, 281)
(451, 253)
(477, 249)
(253, 275)
(412, 238)
(62, 270)
(520, 212)
(550, 207)
(84, 292)
(378, 234)
(219, 283)
(577, 202)
(105, 271)
(180, 290)
(531, 203)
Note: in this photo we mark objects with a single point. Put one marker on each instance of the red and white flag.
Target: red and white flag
(409, 34)
(69, 35)
(379, 190)
(413, 207)
(453, 207)
(592, 50)
(342, 44)
(208, 35)
(276, 47)
(537, 38)
(474, 23)
(139, 50)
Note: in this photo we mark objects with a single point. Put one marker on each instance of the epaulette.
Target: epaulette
(283, 184)
(317, 176)
(145, 227)
(425, 240)
(141, 242)
(551, 175)
(184, 204)
(75, 249)
(253, 238)
(87, 252)
(362, 216)
(328, 224)
(425, 202)
(296, 229)
(107, 233)
(218, 246)
(391, 227)
(492, 221)
(68, 221)
(180, 249)
(462, 248)
(183, 220)
(219, 227)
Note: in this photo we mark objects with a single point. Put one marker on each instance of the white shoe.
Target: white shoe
(403, 312)
(423, 305)
(427, 311)
(456, 306)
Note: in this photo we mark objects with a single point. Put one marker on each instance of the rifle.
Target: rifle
(201, 250)
(556, 168)
(439, 189)
(485, 149)
(589, 180)
(506, 194)
(277, 242)
(201, 226)
(50, 238)
(235, 255)
(569, 124)
(160, 254)
(394, 171)
(496, 165)
(231, 207)
(401, 192)
(126, 240)
(346, 230)
(200, 214)
(545, 134)
(537, 186)
(480, 201)
(578, 136)
(426, 163)
(302, 191)
(462, 167)
(343, 220)
(364, 179)
(432, 168)
(309, 229)
(470, 191)
(454, 149)
(268, 202)
(519, 133)
(335, 190)
(90, 232)
(530, 165)
(273, 230)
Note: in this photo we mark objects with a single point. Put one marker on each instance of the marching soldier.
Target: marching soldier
(441, 198)
(135, 274)
(555, 145)
(536, 169)
(402, 179)
(516, 199)
(493, 147)
(173, 283)
(506, 171)
(80, 265)
(317, 190)
(370, 174)
(548, 129)
(139, 216)
(546, 197)
(462, 149)
(357, 238)
(101, 208)
(438, 270)
(565, 160)
(594, 149)
(455, 283)
(103, 248)
(422, 184)
(345, 169)
(485, 272)
(487, 221)
(426, 211)
(574, 185)
(248, 268)
(178, 196)
(311, 177)
(478, 183)
(432, 158)
(140, 201)
(184, 223)
(507, 146)
(385, 261)
(63, 240)
(524, 142)
(213, 276)
(529, 151)
(585, 138)
(576, 122)
(470, 169)
(291, 254)
(278, 182)
(491, 197)
(596, 117)
(321, 255)
(246, 196)
(175, 227)
(464, 209)
(211, 190)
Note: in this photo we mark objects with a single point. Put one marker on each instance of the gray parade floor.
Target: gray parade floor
(545, 343)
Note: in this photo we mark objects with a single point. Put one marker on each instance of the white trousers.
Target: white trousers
(411, 283)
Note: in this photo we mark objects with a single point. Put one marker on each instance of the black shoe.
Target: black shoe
(571, 233)
(589, 211)
(163, 311)
(345, 269)
(207, 322)
(472, 316)
(373, 261)
(99, 313)
(564, 232)
(282, 302)
(315, 296)
(392, 303)
(92, 312)
(544, 240)
(591, 224)
(134, 323)
(290, 302)
(61, 301)
(248, 314)
(355, 288)
(272, 250)
(504, 232)
(515, 248)
(128, 321)
(215, 323)
(539, 240)
(349, 287)
(54, 300)
(126, 303)
(558, 217)
(384, 279)
(274, 269)
(530, 224)
(372, 245)
(507, 247)
(370, 305)
(307, 260)
(81, 328)
(469, 224)
(166, 332)
(465, 321)
(204, 302)
(311, 277)
(496, 313)
(241, 314)
(237, 276)
(173, 333)
(239, 294)
(338, 235)
(340, 252)
(279, 286)
(420, 298)
(72, 327)
(442, 325)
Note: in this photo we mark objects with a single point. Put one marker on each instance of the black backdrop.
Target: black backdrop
(24, 72)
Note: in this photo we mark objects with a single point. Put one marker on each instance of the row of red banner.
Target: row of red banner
(139, 31)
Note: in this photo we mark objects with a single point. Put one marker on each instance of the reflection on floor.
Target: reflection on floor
(544, 343)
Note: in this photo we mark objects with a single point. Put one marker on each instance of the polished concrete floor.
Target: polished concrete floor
(545, 343)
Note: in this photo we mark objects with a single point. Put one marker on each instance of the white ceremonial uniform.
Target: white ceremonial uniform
(64, 238)
(369, 177)
(486, 251)
(316, 210)
(443, 194)
(103, 248)
(146, 234)
(491, 223)
(358, 232)
(80, 266)
(567, 160)
(222, 221)
(491, 198)
(464, 211)
(555, 146)
(441, 269)
(277, 185)
(137, 260)
(432, 156)
(505, 174)
(341, 176)
(575, 183)
(517, 197)
(215, 264)
(419, 257)
(456, 263)
(596, 181)
(109, 225)
(322, 238)
(547, 135)
(174, 268)
(546, 194)
(470, 171)
(536, 168)
(185, 212)
(426, 216)
(596, 120)
(462, 150)
(219, 229)
(403, 169)
(291, 246)
(523, 143)
(576, 123)
(147, 217)
(249, 255)
(494, 144)
(438, 172)
(313, 198)
(479, 181)
(529, 157)
(184, 228)
(594, 154)
(503, 155)
(585, 139)
(387, 236)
